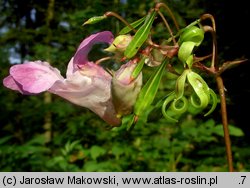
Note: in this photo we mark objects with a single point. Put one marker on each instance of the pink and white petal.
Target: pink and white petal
(10, 83)
(123, 74)
(35, 77)
(70, 68)
(92, 93)
(81, 55)
(90, 69)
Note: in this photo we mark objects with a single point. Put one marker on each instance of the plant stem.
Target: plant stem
(168, 27)
(214, 67)
(120, 18)
(220, 86)
(159, 5)
(47, 96)
(214, 53)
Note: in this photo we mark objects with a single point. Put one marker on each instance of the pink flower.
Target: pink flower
(86, 83)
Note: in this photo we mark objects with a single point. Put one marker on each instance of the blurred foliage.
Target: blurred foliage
(80, 140)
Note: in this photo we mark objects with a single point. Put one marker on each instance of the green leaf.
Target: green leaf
(233, 131)
(94, 20)
(138, 68)
(140, 36)
(117, 150)
(131, 122)
(69, 147)
(135, 24)
(5, 139)
(149, 90)
(97, 151)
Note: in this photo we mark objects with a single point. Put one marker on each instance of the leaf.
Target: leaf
(138, 68)
(140, 36)
(149, 90)
(5, 139)
(37, 140)
(117, 150)
(97, 151)
(233, 131)
(69, 147)
(135, 24)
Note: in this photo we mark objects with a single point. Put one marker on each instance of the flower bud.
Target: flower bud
(120, 43)
(125, 89)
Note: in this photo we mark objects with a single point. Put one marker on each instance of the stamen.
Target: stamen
(101, 60)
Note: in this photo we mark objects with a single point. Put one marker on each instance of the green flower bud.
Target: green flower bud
(94, 20)
(120, 43)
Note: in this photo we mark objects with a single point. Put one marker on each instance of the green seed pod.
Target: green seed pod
(169, 99)
(192, 34)
(201, 89)
(185, 53)
(214, 102)
(180, 84)
(179, 106)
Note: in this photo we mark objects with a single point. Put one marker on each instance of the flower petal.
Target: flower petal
(89, 87)
(34, 77)
(81, 55)
(10, 83)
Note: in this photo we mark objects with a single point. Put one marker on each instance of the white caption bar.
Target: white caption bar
(124, 179)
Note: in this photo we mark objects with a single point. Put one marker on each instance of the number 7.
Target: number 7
(243, 179)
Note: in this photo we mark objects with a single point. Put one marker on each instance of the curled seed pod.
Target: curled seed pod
(179, 106)
(185, 52)
(180, 85)
(201, 89)
(169, 99)
(214, 102)
(192, 34)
